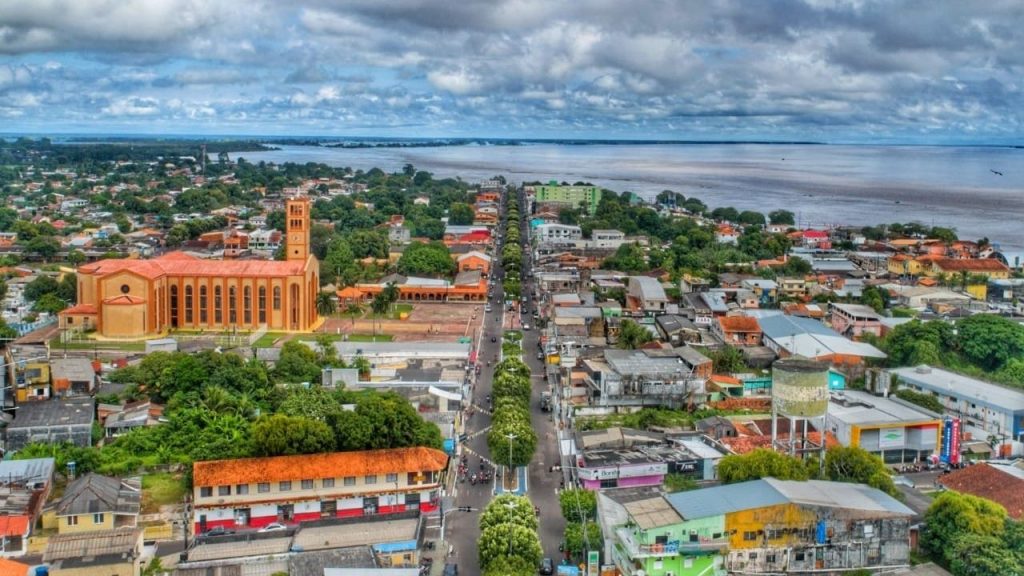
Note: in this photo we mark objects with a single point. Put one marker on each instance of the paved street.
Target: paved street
(462, 528)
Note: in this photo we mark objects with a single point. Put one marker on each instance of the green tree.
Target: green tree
(508, 385)
(326, 304)
(431, 259)
(50, 303)
(907, 342)
(628, 257)
(40, 285)
(854, 464)
(577, 504)
(281, 435)
(873, 297)
(989, 341)
(297, 363)
(523, 440)
(509, 542)
(632, 335)
(953, 515)
(984, 555)
(727, 359)
(460, 214)
(577, 544)
(46, 247)
(761, 463)
(509, 508)
(782, 217)
(750, 218)
(510, 566)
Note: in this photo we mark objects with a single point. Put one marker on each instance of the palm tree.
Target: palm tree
(390, 293)
(326, 304)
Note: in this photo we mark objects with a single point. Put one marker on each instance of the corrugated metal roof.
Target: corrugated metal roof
(725, 499)
(652, 513)
(960, 386)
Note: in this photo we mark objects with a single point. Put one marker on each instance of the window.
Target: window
(242, 489)
(262, 304)
(203, 316)
(263, 487)
(277, 297)
(372, 479)
(749, 536)
(205, 492)
(218, 316)
(285, 486)
(188, 304)
(799, 556)
(247, 305)
(773, 534)
(72, 520)
(232, 305)
(609, 482)
(771, 558)
(307, 484)
(392, 477)
(97, 518)
(174, 305)
(662, 539)
(223, 490)
(350, 480)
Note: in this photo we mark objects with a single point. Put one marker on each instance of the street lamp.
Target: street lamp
(510, 437)
(509, 506)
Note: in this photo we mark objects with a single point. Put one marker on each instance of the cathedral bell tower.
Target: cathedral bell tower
(297, 228)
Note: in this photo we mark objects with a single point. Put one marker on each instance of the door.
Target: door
(242, 516)
(329, 509)
(286, 512)
(370, 505)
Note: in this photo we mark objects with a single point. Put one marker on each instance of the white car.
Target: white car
(526, 326)
(274, 527)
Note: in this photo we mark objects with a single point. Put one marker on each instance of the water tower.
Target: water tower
(799, 395)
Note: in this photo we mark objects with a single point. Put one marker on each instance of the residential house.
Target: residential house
(854, 320)
(607, 239)
(767, 291)
(399, 234)
(102, 553)
(677, 330)
(801, 336)
(792, 287)
(257, 491)
(645, 294)
(122, 418)
(24, 487)
(1000, 482)
(73, 376)
(738, 330)
(93, 502)
(726, 234)
(474, 260)
(265, 240)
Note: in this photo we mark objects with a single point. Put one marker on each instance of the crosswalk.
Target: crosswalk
(486, 460)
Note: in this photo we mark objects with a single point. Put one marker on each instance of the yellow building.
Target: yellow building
(93, 502)
(128, 298)
(99, 553)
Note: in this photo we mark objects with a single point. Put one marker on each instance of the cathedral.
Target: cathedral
(130, 298)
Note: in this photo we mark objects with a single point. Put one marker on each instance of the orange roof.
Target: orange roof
(739, 324)
(13, 525)
(124, 300)
(332, 465)
(927, 282)
(79, 309)
(971, 264)
(350, 292)
(745, 444)
(180, 264)
(988, 482)
(723, 379)
(12, 568)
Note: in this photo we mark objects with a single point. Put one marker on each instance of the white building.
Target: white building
(607, 238)
(558, 233)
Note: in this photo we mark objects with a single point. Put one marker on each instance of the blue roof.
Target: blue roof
(783, 326)
(726, 499)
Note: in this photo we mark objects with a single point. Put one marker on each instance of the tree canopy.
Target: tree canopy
(426, 259)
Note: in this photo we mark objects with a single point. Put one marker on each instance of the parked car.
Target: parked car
(450, 570)
(903, 481)
(274, 527)
(526, 326)
(217, 531)
(547, 566)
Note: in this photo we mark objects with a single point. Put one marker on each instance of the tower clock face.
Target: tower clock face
(295, 237)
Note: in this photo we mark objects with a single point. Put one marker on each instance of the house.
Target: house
(767, 291)
(102, 553)
(399, 234)
(265, 240)
(1000, 482)
(253, 492)
(645, 294)
(800, 336)
(854, 320)
(24, 487)
(130, 416)
(997, 410)
(792, 287)
(726, 234)
(738, 330)
(557, 233)
(897, 431)
(53, 421)
(607, 239)
(93, 502)
(72, 376)
(677, 330)
(474, 260)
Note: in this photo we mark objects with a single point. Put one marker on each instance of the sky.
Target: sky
(913, 71)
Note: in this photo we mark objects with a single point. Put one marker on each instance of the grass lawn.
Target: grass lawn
(395, 313)
(267, 340)
(161, 490)
(100, 345)
(351, 337)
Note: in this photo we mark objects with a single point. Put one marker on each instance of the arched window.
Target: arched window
(262, 304)
(277, 297)
(218, 310)
(174, 305)
(293, 303)
(189, 302)
(203, 317)
(232, 305)
(247, 305)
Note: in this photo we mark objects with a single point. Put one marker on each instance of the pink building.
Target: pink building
(853, 320)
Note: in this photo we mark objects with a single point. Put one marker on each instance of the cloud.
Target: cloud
(647, 68)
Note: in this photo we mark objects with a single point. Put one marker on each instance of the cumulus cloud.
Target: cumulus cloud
(660, 68)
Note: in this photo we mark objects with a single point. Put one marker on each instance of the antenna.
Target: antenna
(204, 159)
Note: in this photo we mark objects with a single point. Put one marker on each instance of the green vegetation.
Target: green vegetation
(647, 418)
(511, 397)
(926, 401)
(578, 504)
(842, 464)
(162, 489)
(633, 335)
(508, 544)
(679, 483)
(972, 536)
(431, 259)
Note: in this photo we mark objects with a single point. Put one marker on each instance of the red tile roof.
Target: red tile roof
(80, 309)
(971, 264)
(739, 324)
(13, 525)
(313, 466)
(180, 264)
(745, 444)
(991, 483)
(12, 568)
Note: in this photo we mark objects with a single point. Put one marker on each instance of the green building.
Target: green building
(645, 535)
(572, 196)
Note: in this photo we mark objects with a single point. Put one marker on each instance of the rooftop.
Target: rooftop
(72, 369)
(332, 465)
(181, 264)
(857, 310)
(652, 512)
(739, 324)
(994, 482)
(50, 413)
(92, 493)
(960, 386)
(863, 408)
(122, 541)
(360, 534)
(26, 472)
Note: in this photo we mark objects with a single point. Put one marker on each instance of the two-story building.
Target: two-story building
(557, 233)
(254, 492)
(854, 320)
(607, 239)
(646, 295)
(642, 378)
(738, 330)
(93, 502)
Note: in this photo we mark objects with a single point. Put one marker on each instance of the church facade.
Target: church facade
(130, 298)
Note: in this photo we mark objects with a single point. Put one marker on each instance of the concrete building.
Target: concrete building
(52, 421)
(555, 233)
(102, 553)
(997, 410)
(641, 378)
(607, 239)
(853, 320)
(800, 336)
(897, 431)
(573, 197)
(645, 294)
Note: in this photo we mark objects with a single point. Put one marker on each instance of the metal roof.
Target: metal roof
(652, 513)
(725, 499)
(808, 337)
(650, 288)
(862, 408)
(965, 387)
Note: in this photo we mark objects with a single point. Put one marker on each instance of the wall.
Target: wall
(756, 520)
(85, 523)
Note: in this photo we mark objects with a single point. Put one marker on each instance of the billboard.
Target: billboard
(950, 452)
(593, 562)
(891, 438)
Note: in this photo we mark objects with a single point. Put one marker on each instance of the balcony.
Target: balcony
(627, 539)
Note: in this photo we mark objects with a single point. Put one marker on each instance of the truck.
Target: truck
(545, 401)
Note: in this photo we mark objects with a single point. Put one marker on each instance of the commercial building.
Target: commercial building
(52, 421)
(643, 378)
(997, 410)
(556, 233)
(897, 431)
(128, 298)
(573, 197)
(253, 492)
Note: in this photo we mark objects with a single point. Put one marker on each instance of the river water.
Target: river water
(824, 185)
